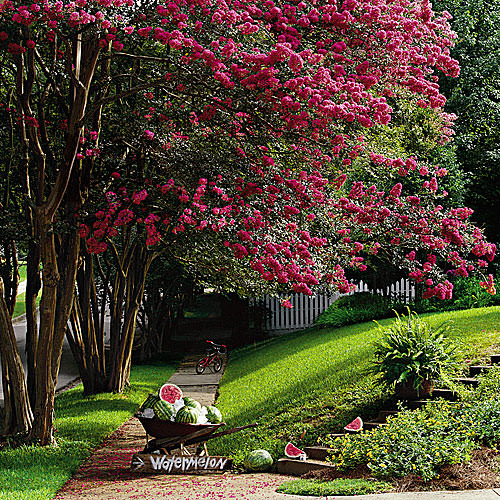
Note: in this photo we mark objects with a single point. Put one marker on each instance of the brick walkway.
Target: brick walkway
(106, 475)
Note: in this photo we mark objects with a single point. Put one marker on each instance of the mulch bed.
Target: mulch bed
(481, 472)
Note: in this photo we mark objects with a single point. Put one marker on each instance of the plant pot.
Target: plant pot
(409, 392)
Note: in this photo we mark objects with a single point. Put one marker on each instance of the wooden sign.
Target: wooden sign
(178, 464)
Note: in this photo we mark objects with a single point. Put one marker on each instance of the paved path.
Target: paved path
(107, 476)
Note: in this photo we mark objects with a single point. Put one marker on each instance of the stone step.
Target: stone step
(317, 452)
(495, 358)
(445, 394)
(292, 467)
(469, 381)
(383, 414)
(475, 370)
(372, 425)
(417, 403)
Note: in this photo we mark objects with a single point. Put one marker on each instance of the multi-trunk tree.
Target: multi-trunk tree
(223, 133)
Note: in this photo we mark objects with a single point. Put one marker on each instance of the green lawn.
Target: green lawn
(22, 272)
(314, 381)
(34, 473)
(348, 487)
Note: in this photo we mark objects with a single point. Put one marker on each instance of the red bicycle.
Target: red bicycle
(214, 356)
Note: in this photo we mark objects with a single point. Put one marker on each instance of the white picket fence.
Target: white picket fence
(306, 309)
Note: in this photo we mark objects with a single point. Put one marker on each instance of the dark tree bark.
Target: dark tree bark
(17, 413)
(128, 292)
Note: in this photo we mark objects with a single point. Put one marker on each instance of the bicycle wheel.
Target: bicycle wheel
(201, 365)
(217, 364)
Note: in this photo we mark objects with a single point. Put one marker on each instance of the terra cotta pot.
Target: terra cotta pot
(408, 391)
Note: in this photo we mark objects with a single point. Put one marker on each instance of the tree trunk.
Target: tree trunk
(55, 308)
(86, 336)
(17, 414)
(130, 291)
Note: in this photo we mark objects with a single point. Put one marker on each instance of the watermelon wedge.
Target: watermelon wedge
(291, 451)
(355, 426)
(170, 393)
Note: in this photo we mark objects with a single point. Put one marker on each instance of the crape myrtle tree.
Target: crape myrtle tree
(282, 91)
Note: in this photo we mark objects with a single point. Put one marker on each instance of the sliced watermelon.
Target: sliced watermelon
(170, 393)
(355, 426)
(291, 451)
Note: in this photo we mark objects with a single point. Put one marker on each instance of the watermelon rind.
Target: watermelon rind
(170, 393)
(355, 426)
(150, 401)
(258, 461)
(213, 414)
(163, 410)
(187, 415)
(291, 451)
(192, 402)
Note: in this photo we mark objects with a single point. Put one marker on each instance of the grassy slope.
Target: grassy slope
(314, 381)
(34, 473)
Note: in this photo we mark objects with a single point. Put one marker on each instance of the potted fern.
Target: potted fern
(412, 356)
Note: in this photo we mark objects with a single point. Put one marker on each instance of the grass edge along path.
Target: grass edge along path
(305, 384)
(82, 423)
(347, 487)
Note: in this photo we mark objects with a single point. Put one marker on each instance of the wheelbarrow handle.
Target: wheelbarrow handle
(230, 431)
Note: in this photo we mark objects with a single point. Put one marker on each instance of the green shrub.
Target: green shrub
(414, 442)
(412, 352)
(482, 408)
(357, 308)
(489, 385)
(422, 441)
(315, 487)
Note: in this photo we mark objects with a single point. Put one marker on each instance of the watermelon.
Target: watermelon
(170, 393)
(163, 410)
(192, 402)
(150, 401)
(214, 416)
(187, 415)
(292, 451)
(258, 461)
(355, 426)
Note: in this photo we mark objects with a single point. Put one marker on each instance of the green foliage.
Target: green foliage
(316, 381)
(314, 487)
(36, 473)
(412, 352)
(421, 441)
(483, 407)
(357, 308)
(414, 442)
(474, 97)
(489, 384)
